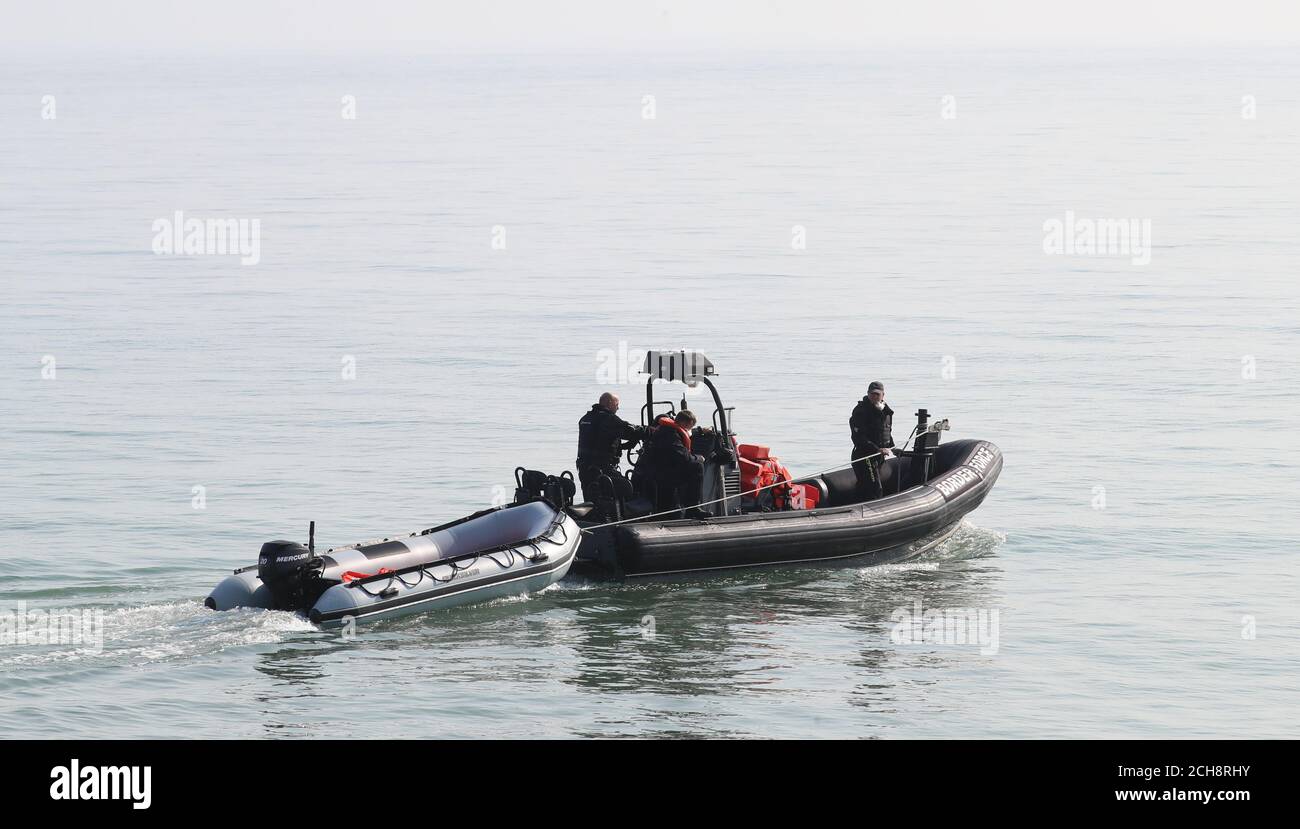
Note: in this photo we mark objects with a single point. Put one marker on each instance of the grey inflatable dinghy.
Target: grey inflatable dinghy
(505, 551)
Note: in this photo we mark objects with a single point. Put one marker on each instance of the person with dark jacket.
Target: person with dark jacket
(602, 437)
(871, 426)
(678, 473)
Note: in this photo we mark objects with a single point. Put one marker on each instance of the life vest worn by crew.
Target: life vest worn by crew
(673, 466)
(670, 449)
(665, 420)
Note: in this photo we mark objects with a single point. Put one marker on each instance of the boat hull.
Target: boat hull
(890, 529)
(490, 555)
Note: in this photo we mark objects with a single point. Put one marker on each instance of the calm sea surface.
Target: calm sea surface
(1140, 549)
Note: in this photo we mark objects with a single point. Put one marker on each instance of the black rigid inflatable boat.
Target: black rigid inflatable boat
(817, 519)
(894, 528)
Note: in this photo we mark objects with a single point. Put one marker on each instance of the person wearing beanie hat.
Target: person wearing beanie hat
(871, 426)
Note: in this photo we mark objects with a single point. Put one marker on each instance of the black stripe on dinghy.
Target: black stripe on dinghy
(383, 550)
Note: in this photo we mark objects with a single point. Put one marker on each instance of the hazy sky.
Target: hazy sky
(596, 24)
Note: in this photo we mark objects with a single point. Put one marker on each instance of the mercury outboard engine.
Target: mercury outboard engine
(289, 571)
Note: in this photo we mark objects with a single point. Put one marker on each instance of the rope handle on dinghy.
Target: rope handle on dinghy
(455, 562)
(455, 567)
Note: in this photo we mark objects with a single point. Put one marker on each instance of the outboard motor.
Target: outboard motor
(288, 569)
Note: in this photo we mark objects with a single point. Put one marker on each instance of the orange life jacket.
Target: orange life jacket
(665, 420)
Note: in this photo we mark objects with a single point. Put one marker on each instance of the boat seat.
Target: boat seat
(635, 507)
(581, 511)
(841, 487)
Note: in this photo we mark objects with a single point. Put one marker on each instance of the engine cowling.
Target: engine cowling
(288, 569)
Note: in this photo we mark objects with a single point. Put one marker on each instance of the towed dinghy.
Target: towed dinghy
(505, 551)
(759, 515)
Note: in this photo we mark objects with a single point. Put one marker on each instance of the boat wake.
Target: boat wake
(144, 634)
(969, 541)
(171, 631)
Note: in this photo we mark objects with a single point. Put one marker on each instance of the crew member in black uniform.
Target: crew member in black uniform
(602, 437)
(678, 473)
(871, 425)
